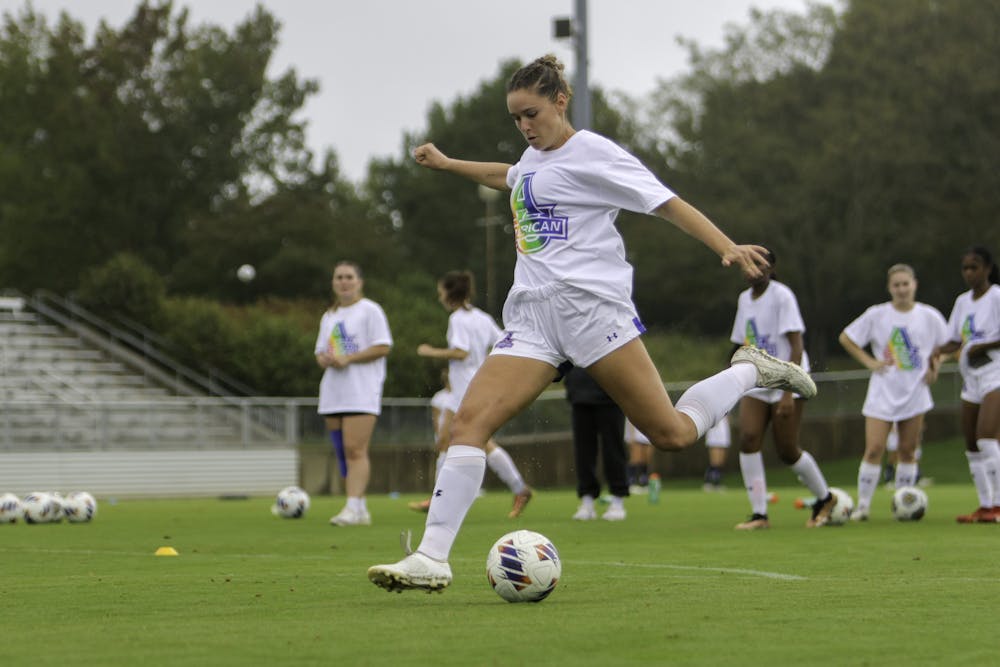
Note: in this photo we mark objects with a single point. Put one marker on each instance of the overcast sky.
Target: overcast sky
(380, 64)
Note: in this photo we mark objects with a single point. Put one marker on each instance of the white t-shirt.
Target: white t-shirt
(907, 340)
(346, 330)
(764, 322)
(471, 330)
(565, 202)
(975, 321)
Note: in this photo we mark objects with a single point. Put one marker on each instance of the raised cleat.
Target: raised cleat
(774, 373)
(821, 511)
(349, 517)
(420, 505)
(614, 513)
(520, 501)
(859, 514)
(981, 515)
(585, 513)
(755, 522)
(415, 572)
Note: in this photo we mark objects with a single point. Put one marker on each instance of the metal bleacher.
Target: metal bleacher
(73, 387)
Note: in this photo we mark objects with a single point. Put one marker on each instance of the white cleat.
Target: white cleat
(774, 373)
(859, 514)
(614, 513)
(415, 572)
(349, 517)
(585, 513)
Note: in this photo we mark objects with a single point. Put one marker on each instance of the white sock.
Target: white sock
(752, 467)
(355, 504)
(990, 450)
(868, 476)
(500, 462)
(454, 491)
(708, 401)
(440, 462)
(810, 474)
(617, 501)
(906, 474)
(587, 502)
(980, 478)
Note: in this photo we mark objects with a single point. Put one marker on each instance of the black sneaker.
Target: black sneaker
(821, 511)
(888, 474)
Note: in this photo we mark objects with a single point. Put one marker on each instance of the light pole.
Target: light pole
(576, 29)
(490, 197)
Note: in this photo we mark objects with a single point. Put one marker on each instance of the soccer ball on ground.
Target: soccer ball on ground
(842, 507)
(523, 566)
(40, 507)
(10, 508)
(79, 507)
(909, 503)
(291, 503)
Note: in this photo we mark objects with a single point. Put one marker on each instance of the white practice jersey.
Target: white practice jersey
(346, 330)
(565, 202)
(906, 339)
(472, 330)
(764, 322)
(976, 321)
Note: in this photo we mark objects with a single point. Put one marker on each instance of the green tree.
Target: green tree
(846, 142)
(119, 144)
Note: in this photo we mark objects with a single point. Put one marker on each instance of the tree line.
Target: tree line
(140, 168)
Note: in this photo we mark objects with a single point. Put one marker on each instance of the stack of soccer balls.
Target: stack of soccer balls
(48, 507)
(291, 503)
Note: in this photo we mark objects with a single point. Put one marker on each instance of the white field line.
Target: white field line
(698, 568)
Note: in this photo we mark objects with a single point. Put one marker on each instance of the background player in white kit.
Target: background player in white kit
(768, 317)
(353, 342)
(571, 301)
(903, 336)
(974, 328)
(471, 335)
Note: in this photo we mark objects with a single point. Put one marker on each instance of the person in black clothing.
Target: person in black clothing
(597, 422)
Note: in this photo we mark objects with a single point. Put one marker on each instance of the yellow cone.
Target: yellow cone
(166, 551)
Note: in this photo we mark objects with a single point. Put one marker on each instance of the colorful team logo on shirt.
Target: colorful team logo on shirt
(753, 337)
(969, 331)
(342, 342)
(535, 224)
(901, 351)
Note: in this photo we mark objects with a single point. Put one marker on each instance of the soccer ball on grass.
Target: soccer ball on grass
(79, 507)
(909, 503)
(10, 508)
(523, 566)
(842, 507)
(41, 507)
(291, 503)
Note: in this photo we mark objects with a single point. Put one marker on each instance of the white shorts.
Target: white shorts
(977, 382)
(719, 435)
(918, 403)
(454, 399)
(557, 323)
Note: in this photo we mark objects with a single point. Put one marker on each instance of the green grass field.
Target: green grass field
(674, 584)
